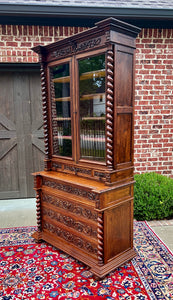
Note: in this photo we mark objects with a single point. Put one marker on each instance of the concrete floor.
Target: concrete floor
(165, 233)
(22, 212)
(18, 213)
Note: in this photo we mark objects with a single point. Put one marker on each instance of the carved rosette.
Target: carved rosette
(100, 247)
(109, 109)
(45, 111)
(38, 210)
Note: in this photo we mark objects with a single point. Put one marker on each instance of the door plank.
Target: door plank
(21, 132)
(7, 147)
(8, 124)
(20, 97)
(9, 179)
(38, 143)
(5, 134)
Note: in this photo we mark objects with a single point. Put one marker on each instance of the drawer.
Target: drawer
(70, 206)
(66, 220)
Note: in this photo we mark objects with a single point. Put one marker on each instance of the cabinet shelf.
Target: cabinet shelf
(84, 76)
(93, 118)
(63, 137)
(62, 119)
(93, 139)
(61, 79)
(89, 75)
(91, 96)
(62, 99)
(84, 138)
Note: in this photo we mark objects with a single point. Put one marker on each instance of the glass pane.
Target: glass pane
(92, 107)
(61, 110)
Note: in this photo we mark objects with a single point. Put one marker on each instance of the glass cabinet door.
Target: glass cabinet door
(61, 110)
(92, 107)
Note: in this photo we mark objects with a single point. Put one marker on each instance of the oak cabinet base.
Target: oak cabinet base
(90, 221)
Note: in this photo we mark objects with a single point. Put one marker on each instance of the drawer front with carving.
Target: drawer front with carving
(69, 206)
(73, 223)
(71, 189)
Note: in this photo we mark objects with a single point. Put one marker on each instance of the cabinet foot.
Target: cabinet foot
(98, 278)
(37, 236)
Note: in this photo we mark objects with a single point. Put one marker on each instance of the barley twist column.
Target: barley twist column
(45, 114)
(100, 247)
(109, 109)
(54, 115)
(38, 210)
(37, 235)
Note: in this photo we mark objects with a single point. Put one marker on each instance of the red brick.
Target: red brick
(25, 30)
(61, 30)
(9, 30)
(6, 38)
(11, 44)
(26, 44)
(145, 50)
(20, 29)
(40, 31)
(161, 46)
(4, 29)
(151, 169)
(30, 30)
(66, 31)
(150, 45)
(46, 31)
(156, 41)
(46, 39)
(35, 30)
(153, 159)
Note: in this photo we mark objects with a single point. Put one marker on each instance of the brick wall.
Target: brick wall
(154, 85)
(154, 102)
(16, 41)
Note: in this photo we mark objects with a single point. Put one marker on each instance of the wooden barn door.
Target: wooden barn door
(21, 132)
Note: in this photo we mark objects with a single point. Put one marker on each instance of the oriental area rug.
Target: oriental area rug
(40, 271)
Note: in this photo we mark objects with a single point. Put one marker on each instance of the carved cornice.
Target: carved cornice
(75, 48)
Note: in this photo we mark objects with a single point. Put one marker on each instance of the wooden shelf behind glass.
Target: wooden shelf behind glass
(62, 79)
(92, 118)
(91, 96)
(62, 99)
(92, 139)
(84, 76)
(89, 75)
(62, 119)
(63, 137)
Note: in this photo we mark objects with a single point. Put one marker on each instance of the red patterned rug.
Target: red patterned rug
(40, 271)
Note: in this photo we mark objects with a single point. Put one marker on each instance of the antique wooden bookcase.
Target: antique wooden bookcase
(85, 194)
